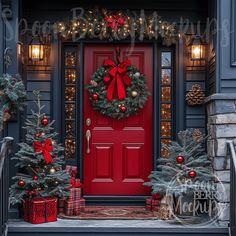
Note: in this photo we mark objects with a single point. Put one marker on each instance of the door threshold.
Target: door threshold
(115, 200)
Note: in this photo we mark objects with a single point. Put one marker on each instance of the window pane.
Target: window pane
(166, 111)
(165, 152)
(70, 111)
(70, 148)
(70, 128)
(70, 76)
(70, 94)
(166, 76)
(166, 129)
(166, 94)
(70, 59)
(166, 59)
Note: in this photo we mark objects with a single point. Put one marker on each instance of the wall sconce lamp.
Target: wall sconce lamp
(197, 49)
(36, 49)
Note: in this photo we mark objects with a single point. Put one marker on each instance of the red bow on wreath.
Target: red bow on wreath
(115, 21)
(118, 76)
(45, 148)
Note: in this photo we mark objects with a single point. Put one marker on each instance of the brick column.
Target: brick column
(221, 111)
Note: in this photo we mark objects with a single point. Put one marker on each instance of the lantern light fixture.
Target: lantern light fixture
(197, 49)
(36, 48)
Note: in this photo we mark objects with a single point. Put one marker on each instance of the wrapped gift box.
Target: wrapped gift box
(152, 204)
(73, 208)
(61, 205)
(40, 210)
(71, 170)
(75, 194)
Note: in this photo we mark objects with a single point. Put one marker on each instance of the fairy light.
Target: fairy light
(153, 28)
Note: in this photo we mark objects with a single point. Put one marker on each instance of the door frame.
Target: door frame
(157, 48)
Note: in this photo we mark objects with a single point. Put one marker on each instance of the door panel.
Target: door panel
(121, 150)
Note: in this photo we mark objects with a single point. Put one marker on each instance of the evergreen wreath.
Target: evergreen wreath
(118, 89)
(12, 96)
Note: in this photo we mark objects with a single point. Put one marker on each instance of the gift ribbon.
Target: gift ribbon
(45, 148)
(117, 77)
(76, 184)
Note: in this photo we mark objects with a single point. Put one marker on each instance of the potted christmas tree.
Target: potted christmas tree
(185, 169)
(41, 179)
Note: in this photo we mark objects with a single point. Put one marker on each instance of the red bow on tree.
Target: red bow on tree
(45, 148)
(118, 76)
(115, 21)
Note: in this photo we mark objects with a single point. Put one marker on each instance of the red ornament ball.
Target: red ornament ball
(35, 177)
(21, 183)
(123, 108)
(180, 159)
(192, 173)
(44, 121)
(37, 135)
(36, 169)
(95, 96)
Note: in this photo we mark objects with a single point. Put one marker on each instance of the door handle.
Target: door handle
(88, 137)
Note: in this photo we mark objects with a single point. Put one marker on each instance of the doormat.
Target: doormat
(113, 213)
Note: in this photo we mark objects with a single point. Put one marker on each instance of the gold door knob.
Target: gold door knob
(88, 137)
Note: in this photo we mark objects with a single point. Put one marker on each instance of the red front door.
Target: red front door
(121, 150)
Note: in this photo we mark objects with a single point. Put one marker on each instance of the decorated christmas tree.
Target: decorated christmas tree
(39, 160)
(185, 168)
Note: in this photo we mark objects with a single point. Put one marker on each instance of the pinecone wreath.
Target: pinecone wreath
(196, 96)
(197, 135)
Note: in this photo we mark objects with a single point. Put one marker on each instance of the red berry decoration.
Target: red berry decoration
(180, 159)
(21, 183)
(35, 177)
(44, 121)
(37, 135)
(36, 169)
(192, 173)
(123, 108)
(95, 96)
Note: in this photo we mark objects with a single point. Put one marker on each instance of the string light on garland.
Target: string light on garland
(118, 25)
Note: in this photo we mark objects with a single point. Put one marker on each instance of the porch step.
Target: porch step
(111, 228)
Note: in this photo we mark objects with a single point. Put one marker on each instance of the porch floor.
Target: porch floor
(114, 226)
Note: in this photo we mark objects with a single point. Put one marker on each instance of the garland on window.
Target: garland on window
(12, 97)
(117, 89)
(119, 25)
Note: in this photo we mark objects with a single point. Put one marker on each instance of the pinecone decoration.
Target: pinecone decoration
(164, 213)
(195, 96)
(197, 135)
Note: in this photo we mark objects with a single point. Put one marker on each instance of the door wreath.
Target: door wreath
(118, 89)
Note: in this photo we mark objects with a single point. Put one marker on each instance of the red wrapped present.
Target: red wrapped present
(156, 196)
(40, 210)
(61, 205)
(72, 170)
(152, 204)
(82, 204)
(72, 208)
(75, 194)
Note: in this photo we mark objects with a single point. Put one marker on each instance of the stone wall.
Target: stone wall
(221, 111)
